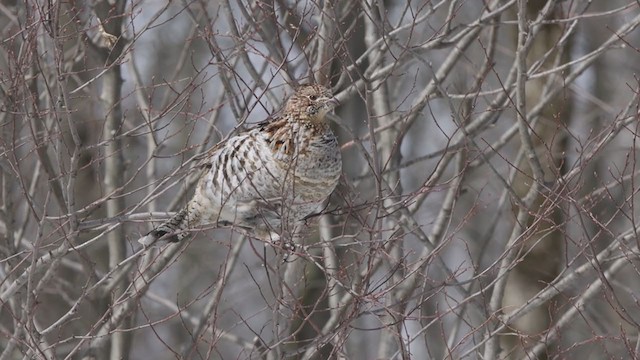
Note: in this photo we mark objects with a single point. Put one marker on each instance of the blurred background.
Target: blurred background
(486, 208)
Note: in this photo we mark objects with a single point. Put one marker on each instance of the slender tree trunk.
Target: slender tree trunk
(542, 245)
(110, 44)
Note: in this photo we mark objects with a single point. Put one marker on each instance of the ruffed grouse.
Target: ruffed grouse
(269, 179)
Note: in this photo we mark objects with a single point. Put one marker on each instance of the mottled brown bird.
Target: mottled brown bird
(269, 179)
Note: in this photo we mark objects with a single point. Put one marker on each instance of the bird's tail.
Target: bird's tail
(172, 230)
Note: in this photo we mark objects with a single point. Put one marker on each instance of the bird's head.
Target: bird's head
(311, 102)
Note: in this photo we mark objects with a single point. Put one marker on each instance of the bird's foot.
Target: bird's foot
(289, 247)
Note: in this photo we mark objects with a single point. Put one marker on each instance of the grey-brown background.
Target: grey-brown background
(487, 208)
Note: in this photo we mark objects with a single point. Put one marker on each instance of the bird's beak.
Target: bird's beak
(333, 102)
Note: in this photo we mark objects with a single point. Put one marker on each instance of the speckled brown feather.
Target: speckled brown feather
(269, 179)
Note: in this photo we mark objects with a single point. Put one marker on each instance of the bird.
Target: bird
(268, 180)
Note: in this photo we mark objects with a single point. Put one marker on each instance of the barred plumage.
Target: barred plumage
(267, 180)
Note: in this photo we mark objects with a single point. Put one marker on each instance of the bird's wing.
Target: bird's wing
(204, 159)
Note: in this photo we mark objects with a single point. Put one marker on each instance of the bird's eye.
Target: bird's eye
(313, 97)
